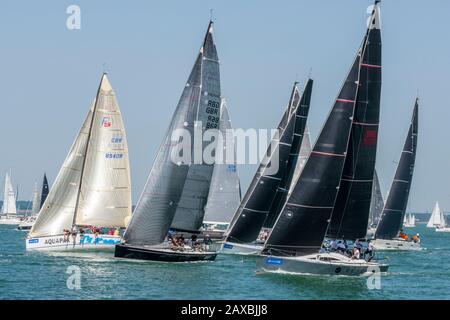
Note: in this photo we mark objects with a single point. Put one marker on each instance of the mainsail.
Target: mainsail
(9, 198)
(377, 202)
(35, 200)
(45, 190)
(225, 193)
(436, 217)
(397, 200)
(96, 167)
(105, 192)
(254, 208)
(351, 211)
(191, 207)
(302, 224)
(169, 183)
(301, 117)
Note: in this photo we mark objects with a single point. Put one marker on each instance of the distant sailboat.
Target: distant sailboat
(38, 200)
(92, 189)
(44, 192)
(225, 191)
(387, 233)
(9, 210)
(296, 239)
(176, 192)
(35, 201)
(260, 205)
(409, 221)
(436, 217)
(437, 220)
(28, 222)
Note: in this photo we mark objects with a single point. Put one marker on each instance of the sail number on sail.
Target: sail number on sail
(213, 114)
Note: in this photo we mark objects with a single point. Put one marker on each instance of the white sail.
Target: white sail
(224, 193)
(58, 209)
(413, 220)
(9, 198)
(305, 150)
(35, 200)
(435, 219)
(105, 195)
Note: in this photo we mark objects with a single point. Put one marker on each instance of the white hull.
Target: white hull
(395, 244)
(61, 243)
(329, 263)
(442, 230)
(241, 249)
(10, 220)
(407, 225)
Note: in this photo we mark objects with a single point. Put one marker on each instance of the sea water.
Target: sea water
(33, 275)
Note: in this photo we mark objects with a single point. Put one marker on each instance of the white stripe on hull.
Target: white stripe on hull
(61, 243)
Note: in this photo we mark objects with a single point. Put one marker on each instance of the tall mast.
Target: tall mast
(87, 150)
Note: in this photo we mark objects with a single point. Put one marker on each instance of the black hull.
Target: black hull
(141, 253)
(23, 228)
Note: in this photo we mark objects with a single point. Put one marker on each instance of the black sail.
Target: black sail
(301, 114)
(45, 190)
(351, 212)
(301, 225)
(394, 210)
(252, 212)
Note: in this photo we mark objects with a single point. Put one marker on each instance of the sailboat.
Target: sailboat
(436, 217)
(28, 222)
(92, 190)
(261, 203)
(178, 187)
(44, 191)
(376, 206)
(9, 210)
(409, 221)
(437, 220)
(37, 201)
(294, 245)
(389, 227)
(225, 190)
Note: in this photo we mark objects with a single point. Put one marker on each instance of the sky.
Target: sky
(49, 75)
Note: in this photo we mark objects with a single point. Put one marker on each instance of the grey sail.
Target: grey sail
(168, 179)
(377, 202)
(191, 207)
(224, 194)
(305, 151)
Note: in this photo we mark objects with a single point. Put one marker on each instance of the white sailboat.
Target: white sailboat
(410, 221)
(436, 216)
(27, 224)
(439, 220)
(9, 210)
(92, 189)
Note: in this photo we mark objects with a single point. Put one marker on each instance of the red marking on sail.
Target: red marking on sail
(370, 137)
(345, 100)
(370, 65)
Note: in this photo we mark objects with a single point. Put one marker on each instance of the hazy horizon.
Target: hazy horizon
(49, 75)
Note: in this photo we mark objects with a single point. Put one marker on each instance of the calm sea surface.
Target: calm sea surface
(412, 275)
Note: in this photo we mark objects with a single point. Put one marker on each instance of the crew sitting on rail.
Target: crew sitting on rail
(403, 235)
